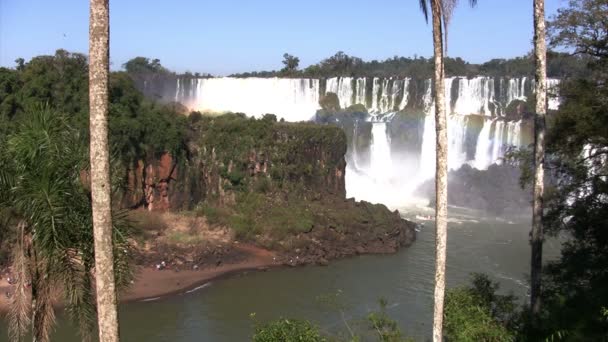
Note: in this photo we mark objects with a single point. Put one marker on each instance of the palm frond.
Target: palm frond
(447, 11)
(123, 248)
(44, 313)
(19, 314)
(76, 278)
(424, 7)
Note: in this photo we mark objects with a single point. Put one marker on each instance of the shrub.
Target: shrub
(287, 330)
(385, 327)
(262, 185)
(477, 313)
(146, 221)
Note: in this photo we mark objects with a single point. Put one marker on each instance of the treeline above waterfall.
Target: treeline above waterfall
(559, 65)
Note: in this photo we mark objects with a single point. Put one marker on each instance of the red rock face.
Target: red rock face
(149, 183)
(158, 176)
(160, 184)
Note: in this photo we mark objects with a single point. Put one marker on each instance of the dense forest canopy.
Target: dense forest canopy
(138, 127)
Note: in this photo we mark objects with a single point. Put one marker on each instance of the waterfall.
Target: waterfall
(355, 154)
(457, 128)
(381, 162)
(291, 99)
(474, 95)
(376, 182)
(484, 142)
(514, 133)
(375, 91)
(406, 94)
(497, 141)
(296, 99)
(516, 90)
(342, 87)
(386, 97)
(360, 95)
(427, 157)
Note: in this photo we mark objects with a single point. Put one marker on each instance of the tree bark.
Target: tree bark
(536, 235)
(441, 173)
(99, 38)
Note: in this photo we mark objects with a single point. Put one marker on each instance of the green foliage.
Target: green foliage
(287, 330)
(574, 290)
(138, 128)
(142, 65)
(291, 63)
(254, 214)
(233, 138)
(43, 191)
(330, 102)
(582, 27)
(385, 326)
(478, 313)
(262, 185)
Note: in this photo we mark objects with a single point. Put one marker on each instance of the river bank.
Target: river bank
(178, 253)
(151, 283)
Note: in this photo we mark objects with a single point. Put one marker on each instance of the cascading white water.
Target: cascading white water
(484, 143)
(386, 98)
(474, 95)
(291, 99)
(457, 156)
(497, 142)
(406, 94)
(360, 94)
(514, 133)
(381, 162)
(375, 90)
(298, 100)
(427, 156)
(516, 89)
(457, 130)
(342, 87)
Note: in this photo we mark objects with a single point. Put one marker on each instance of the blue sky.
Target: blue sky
(227, 36)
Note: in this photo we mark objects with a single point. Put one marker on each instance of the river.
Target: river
(220, 311)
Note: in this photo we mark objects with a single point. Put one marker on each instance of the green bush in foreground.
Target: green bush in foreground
(477, 313)
(287, 330)
(386, 328)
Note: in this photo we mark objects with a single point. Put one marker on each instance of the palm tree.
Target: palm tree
(441, 13)
(540, 85)
(42, 190)
(99, 37)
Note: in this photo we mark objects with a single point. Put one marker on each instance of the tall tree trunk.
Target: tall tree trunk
(536, 236)
(99, 38)
(441, 173)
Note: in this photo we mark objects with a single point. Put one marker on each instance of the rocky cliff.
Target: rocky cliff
(231, 154)
(277, 184)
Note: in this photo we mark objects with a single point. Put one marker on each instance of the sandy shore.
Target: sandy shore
(151, 283)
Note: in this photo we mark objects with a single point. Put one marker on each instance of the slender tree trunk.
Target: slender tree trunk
(441, 173)
(99, 38)
(536, 236)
